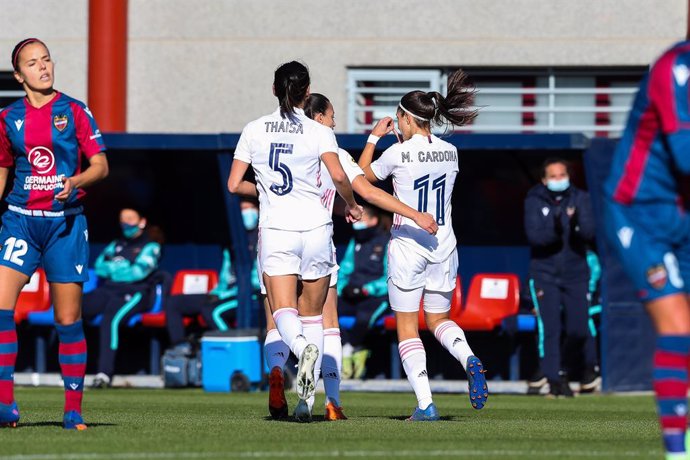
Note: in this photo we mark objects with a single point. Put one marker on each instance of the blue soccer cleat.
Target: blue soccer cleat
(430, 414)
(9, 415)
(479, 392)
(73, 421)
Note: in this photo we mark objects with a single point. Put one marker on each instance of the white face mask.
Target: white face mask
(558, 185)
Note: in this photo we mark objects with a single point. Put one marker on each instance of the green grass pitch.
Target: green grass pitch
(168, 424)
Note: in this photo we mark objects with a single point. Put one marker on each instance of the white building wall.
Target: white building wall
(207, 65)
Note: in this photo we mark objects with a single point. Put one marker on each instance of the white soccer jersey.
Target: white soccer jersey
(286, 157)
(328, 190)
(423, 177)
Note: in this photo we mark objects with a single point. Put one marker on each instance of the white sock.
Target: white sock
(348, 350)
(449, 334)
(413, 358)
(313, 332)
(332, 364)
(290, 329)
(275, 350)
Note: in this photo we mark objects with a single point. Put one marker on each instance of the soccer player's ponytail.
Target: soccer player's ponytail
(291, 83)
(432, 107)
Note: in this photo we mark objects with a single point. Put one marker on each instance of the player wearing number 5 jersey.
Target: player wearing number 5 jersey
(420, 265)
(286, 149)
(45, 137)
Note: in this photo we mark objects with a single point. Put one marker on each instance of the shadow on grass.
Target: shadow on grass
(58, 424)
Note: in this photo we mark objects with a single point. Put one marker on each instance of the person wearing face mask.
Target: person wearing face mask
(218, 307)
(559, 224)
(363, 288)
(128, 269)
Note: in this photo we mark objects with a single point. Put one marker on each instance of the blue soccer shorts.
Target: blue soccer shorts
(653, 243)
(58, 244)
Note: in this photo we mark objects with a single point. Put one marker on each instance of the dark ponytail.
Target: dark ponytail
(316, 104)
(291, 82)
(432, 107)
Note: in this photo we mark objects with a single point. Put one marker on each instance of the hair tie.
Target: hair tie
(19, 47)
(412, 114)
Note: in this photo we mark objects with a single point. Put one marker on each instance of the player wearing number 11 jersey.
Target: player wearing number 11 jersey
(420, 265)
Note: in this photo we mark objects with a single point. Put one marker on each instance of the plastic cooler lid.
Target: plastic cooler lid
(235, 335)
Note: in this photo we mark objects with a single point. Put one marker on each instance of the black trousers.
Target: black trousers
(117, 304)
(365, 311)
(179, 306)
(562, 308)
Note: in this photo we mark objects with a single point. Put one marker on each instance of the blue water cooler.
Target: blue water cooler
(231, 359)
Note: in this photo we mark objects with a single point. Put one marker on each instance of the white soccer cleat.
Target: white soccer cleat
(306, 384)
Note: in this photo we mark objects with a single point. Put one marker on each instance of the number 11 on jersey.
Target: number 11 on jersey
(439, 186)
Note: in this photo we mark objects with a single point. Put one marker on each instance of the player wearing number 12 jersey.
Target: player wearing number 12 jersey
(286, 149)
(420, 265)
(46, 137)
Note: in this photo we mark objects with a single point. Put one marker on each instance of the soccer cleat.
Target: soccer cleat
(277, 404)
(591, 380)
(334, 412)
(359, 364)
(101, 381)
(73, 421)
(9, 415)
(430, 414)
(476, 382)
(306, 384)
(302, 412)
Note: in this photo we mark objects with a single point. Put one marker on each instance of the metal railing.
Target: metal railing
(553, 107)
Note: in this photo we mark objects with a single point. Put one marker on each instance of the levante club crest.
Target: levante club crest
(60, 122)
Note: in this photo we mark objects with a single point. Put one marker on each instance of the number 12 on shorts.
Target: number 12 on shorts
(438, 185)
(14, 250)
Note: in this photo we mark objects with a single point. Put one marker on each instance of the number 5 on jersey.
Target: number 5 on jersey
(14, 250)
(439, 186)
(277, 150)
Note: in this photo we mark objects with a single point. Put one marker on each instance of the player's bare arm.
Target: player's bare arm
(380, 129)
(384, 200)
(4, 172)
(97, 171)
(353, 212)
(236, 182)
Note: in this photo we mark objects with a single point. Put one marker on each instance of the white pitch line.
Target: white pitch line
(322, 454)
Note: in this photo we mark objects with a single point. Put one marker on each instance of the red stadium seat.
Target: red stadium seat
(185, 282)
(35, 296)
(390, 324)
(491, 298)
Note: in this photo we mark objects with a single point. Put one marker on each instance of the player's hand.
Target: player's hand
(426, 222)
(66, 191)
(353, 214)
(383, 127)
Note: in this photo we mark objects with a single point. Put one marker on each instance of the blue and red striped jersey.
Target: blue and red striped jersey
(45, 145)
(655, 148)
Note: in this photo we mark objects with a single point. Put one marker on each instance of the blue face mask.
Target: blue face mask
(560, 185)
(250, 218)
(128, 231)
(359, 226)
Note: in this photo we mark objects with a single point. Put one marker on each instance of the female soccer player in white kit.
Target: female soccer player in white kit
(286, 149)
(319, 108)
(424, 169)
